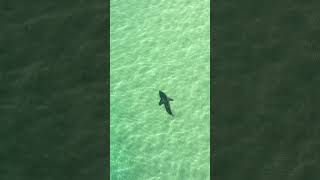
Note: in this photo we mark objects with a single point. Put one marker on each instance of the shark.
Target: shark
(164, 99)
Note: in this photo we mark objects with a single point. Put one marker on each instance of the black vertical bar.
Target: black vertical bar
(53, 90)
(266, 66)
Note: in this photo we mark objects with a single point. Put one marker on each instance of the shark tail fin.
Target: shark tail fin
(161, 102)
(170, 99)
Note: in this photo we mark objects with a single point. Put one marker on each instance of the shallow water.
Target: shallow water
(160, 45)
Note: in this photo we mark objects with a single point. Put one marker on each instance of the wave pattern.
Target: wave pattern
(160, 45)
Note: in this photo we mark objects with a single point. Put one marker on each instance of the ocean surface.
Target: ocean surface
(160, 45)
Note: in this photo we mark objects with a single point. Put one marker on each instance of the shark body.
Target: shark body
(164, 99)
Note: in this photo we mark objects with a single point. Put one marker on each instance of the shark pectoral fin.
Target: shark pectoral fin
(170, 99)
(161, 102)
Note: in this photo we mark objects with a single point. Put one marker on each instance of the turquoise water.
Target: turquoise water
(160, 45)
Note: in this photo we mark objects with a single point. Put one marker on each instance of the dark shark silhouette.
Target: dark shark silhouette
(164, 99)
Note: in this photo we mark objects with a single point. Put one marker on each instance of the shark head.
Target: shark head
(161, 93)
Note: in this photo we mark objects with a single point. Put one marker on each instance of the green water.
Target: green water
(160, 45)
